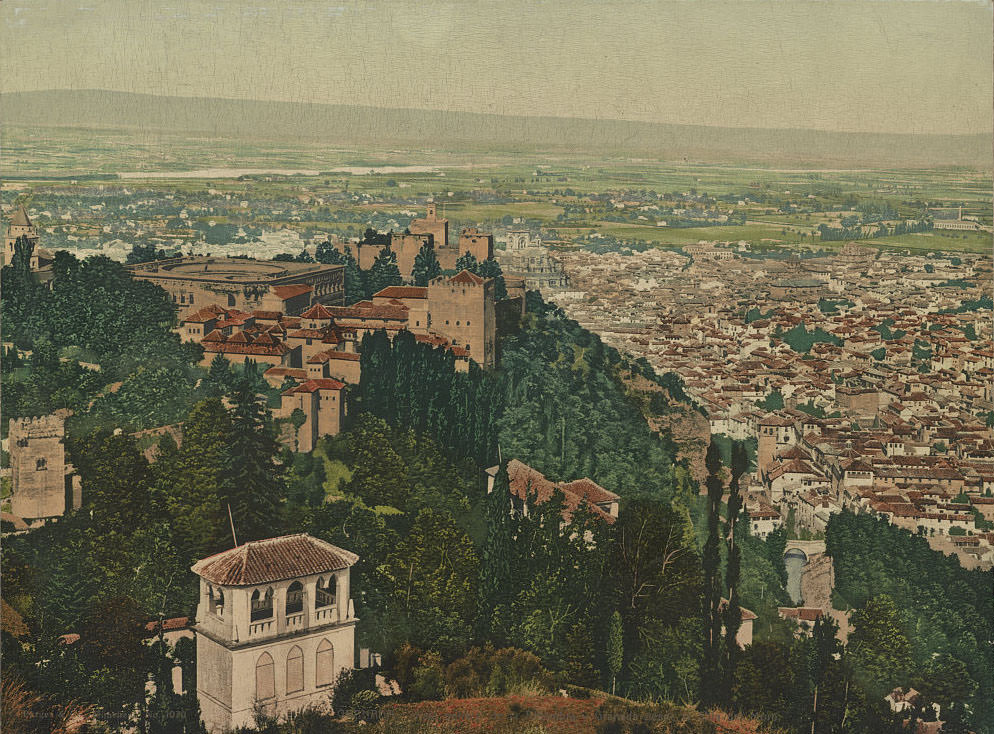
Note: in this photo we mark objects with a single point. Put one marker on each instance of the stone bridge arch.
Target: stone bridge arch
(804, 548)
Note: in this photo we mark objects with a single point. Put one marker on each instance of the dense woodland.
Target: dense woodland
(462, 598)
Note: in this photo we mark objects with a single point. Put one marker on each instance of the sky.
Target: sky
(901, 66)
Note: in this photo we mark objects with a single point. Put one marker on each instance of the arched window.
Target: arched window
(41, 465)
(295, 598)
(265, 679)
(325, 593)
(324, 668)
(262, 605)
(295, 670)
(216, 601)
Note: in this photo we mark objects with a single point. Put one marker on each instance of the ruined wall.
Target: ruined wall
(38, 467)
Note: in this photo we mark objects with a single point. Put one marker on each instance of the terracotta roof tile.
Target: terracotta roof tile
(402, 291)
(286, 292)
(317, 311)
(274, 559)
(466, 277)
(321, 383)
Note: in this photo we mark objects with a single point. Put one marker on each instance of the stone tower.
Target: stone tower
(20, 226)
(479, 244)
(275, 627)
(431, 224)
(461, 308)
(42, 489)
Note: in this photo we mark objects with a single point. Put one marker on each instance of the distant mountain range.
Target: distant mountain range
(344, 125)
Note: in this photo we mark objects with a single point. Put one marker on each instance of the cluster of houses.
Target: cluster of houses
(866, 378)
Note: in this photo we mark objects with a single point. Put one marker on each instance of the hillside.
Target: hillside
(343, 125)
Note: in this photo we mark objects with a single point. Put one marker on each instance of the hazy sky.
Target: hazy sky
(921, 66)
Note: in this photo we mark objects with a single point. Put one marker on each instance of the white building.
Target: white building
(275, 626)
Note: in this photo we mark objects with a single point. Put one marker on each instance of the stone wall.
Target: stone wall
(38, 467)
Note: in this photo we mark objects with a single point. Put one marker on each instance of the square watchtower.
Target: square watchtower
(275, 627)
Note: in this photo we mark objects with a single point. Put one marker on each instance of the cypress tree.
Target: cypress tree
(495, 590)
(711, 562)
(384, 272)
(426, 265)
(490, 268)
(467, 261)
(733, 614)
(615, 648)
(253, 479)
(355, 279)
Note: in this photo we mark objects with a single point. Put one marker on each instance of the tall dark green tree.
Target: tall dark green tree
(383, 273)
(191, 484)
(327, 254)
(426, 265)
(490, 268)
(116, 478)
(467, 261)
(355, 279)
(733, 613)
(219, 379)
(495, 568)
(711, 560)
(253, 478)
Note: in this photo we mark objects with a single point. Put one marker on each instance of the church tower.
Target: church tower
(20, 226)
(275, 627)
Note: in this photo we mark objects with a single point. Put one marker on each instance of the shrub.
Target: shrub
(348, 684)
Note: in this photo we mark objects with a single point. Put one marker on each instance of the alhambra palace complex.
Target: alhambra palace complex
(289, 317)
(276, 624)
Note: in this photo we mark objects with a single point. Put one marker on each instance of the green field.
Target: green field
(568, 196)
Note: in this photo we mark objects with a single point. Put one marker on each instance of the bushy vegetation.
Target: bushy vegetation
(932, 618)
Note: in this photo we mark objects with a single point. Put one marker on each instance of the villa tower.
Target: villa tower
(275, 627)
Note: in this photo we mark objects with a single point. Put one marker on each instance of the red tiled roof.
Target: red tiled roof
(168, 625)
(317, 311)
(402, 291)
(524, 481)
(307, 334)
(20, 217)
(366, 310)
(321, 383)
(296, 373)
(274, 559)
(466, 277)
(233, 346)
(347, 356)
(286, 292)
(207, 313)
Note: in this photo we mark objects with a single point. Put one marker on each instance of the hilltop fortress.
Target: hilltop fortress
(289, 287)
(428, 230)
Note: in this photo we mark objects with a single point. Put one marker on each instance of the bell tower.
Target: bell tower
(20, 226)
(275, 627)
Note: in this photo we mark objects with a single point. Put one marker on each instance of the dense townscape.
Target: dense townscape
(863, 378)
(589, 367)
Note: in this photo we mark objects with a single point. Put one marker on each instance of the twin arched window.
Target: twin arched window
(265, 668)
(295, 598)
(216, 601)
(325, 596)
(262, 605)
